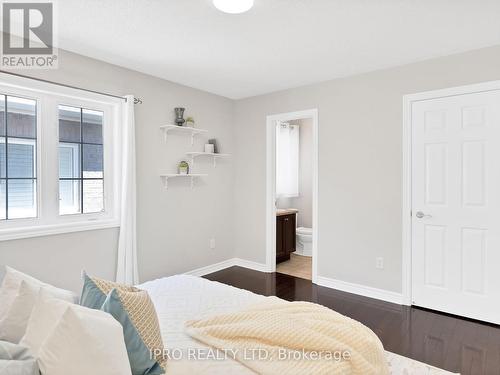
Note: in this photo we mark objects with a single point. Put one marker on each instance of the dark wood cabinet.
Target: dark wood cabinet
(285, 236)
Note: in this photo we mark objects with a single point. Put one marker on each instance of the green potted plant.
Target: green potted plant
(190, 122)
(183, 167)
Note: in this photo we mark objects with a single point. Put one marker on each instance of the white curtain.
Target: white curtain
(287, 160)
(127, 270)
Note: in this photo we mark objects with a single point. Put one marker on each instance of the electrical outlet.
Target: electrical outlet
(379, 263)
(212, 243)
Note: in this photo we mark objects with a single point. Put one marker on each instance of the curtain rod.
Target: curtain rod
(136, 100)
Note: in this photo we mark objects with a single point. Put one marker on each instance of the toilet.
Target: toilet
(304, 241)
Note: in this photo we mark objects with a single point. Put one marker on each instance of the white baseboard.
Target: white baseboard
(226, 264)
(211, 268)
(362, 290)
(251, 265)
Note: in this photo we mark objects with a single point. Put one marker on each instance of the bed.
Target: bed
(182, 297)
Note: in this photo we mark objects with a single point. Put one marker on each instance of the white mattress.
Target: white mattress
(181, 298)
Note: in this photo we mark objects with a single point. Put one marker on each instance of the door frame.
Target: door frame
(270, 219)
(408, 100)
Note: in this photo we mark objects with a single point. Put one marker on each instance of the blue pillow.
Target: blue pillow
(16, 359)
(136, 313)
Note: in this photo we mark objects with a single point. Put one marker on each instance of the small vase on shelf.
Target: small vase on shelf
(179, 116)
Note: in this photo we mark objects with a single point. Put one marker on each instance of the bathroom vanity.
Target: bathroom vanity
(286, 222)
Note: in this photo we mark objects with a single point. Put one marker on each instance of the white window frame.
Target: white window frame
(48, 220)
(76, 165)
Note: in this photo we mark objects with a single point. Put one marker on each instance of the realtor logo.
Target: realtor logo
(28, 35)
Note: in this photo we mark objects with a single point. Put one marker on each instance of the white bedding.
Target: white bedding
(181, 298)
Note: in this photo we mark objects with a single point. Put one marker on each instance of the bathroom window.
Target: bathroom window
(287, 160)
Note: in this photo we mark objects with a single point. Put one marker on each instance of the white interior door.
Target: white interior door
(456, 205)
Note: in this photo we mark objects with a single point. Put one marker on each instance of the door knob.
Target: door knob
(421, 215)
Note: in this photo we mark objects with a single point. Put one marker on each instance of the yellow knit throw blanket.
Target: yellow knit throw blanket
(284, 338)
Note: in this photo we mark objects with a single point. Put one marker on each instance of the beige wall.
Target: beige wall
(360, 130)
(174, 226)
(359, 174)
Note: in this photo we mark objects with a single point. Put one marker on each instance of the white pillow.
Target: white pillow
(85, 341)
(13, 325)
(44, 318)
(10, 287)
(5, 301)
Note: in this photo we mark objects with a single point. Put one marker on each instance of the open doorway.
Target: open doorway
(292, 224)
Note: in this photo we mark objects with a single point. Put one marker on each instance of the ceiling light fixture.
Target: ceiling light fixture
(233, 6)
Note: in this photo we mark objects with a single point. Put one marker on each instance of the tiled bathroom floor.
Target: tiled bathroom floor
(298, 266)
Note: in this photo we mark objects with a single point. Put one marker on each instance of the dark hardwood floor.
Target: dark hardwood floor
(444, 341)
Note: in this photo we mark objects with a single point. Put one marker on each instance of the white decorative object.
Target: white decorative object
(209, 148)
(166, 177)
(193, 156)
(127, 271)
(181, 130)
(85, 341)
(287, 160)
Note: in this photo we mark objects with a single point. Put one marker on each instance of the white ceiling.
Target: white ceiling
(279, 44)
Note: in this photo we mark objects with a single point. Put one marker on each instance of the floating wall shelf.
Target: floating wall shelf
(165, 178)
(215, 156)
(181, 130)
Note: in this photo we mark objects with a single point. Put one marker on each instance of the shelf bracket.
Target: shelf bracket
(192, 139)
(215, 161)
(165, 135)
(192, 183)
(165, 182)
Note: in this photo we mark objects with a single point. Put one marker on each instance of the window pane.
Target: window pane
(69, 160)
(2, 200)
(93, 196)
(92, 161)
(69, 124)
(92, 126)
(2, 115)
(69, 197)
(18, 157)
(21, 117)
(21, 158)
(2, 157)
(22, 199)
(81, 169)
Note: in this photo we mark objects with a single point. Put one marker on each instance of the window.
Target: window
(17, 158)
(81, 167)
(58, 159)
(287, 160)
